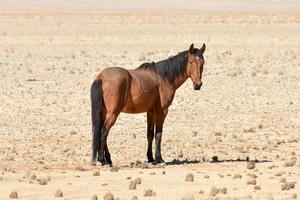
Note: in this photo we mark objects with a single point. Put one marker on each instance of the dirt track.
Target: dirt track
(248, 105)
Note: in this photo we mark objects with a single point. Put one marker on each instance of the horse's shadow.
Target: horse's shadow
(214, 160)
(181, 162)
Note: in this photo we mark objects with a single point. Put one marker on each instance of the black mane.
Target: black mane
(172, 67)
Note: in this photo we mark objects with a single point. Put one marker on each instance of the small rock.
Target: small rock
(252, 175)
(134, 198)
(287, 186)
(251, 182)
(163, 172)
(289, 163)
(73, 132)
(214, 191)
(138, 180)
(257, 187)
(114, 169)
(149, 193)
(108, 196)
(96, 173)
(42, 181)
(237, 176)
(283, 180)
(58, 193)
(215, 159)
(13, 195)
(33, 177)
(189, 177)
(279, 173)
(80, 168)
(132, 185)
(223, 190)
(250, 165)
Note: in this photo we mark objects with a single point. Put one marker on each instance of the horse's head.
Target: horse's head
(195, 64)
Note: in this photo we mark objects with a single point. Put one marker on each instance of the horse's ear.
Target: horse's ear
(191, 50)
(203, 48)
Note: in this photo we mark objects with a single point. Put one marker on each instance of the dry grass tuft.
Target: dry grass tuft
(138, 180)
(13, 195)
(132, 185)
(257, 187)
(214, 191)
(42, 181)
(95, 197)
(58, 193)
(96, 173)
(287, 186)
(114, 169)
(189, 177)
(237, 176)
(251, 182)
(149, 193)
(108, 196)
(250, 165)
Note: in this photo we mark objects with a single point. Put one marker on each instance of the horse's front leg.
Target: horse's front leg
(150, 135)
(159, 118)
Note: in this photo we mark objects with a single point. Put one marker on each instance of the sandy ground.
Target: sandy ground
(248, 106)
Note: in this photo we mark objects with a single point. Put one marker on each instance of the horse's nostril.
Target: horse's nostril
(197, 86)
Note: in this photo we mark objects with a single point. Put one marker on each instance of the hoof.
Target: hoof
(150, 160)
(101, 160)
(109, 162)
(105, 162)
(159, 160)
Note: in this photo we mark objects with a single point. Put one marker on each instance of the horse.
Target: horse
(149, 88)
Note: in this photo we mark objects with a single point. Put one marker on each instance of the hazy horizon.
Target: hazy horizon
(152, 5)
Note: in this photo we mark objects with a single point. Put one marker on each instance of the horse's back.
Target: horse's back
(129, 91)
(114, 74)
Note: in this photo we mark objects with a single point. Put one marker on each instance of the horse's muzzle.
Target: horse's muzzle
(197, 86)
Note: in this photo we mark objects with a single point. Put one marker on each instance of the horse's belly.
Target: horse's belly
(137, 106)
(135, 110)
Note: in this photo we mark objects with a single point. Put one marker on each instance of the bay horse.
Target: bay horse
(149, 88)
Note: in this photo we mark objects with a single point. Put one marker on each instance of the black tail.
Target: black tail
(96, 98)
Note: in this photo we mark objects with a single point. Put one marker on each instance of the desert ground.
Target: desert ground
(248, 107)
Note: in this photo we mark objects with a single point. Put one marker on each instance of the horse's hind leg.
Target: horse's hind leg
(110, 120)
(106, 154)
(150, 135)
(96, 143)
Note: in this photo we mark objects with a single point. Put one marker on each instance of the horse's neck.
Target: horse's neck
(167, 90)
(180, 80)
